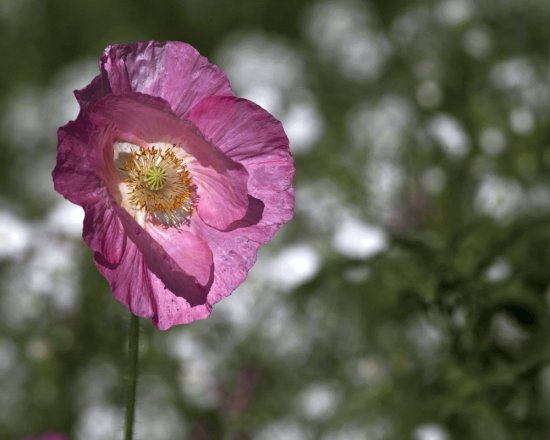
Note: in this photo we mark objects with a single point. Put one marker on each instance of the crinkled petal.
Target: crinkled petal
(185, 277)
(152, 276)
(188, 251)
(130, 281)
(172, 70)
(174, 310)
(145, 294)
(221, 182)
(241, 129)
(158, 274)
(250, 135)
(223, 197)
(103, 231)
(77, 174)
(93, 92)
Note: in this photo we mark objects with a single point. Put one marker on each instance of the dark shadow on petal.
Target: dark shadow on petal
(163, 266)
(253, 214)
(93, 92)
(179, 284)
(100, 259)
(104, 235)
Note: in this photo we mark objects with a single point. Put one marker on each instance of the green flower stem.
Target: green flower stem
(133, 348)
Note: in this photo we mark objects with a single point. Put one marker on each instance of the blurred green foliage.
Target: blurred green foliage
(435, 128)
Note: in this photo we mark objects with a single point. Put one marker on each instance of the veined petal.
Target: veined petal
(250, 135)
(162, 275)
(138, 284)
(241, 129)
(77, 174)
(181, 261)
(183, 276)
(171, 70)
(174, 310)
(223, 197)
(93, 92)
(188, 251)
(130, 281)
(103, 232)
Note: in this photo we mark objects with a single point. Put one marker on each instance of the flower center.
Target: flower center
(155, 178)
(159, 184)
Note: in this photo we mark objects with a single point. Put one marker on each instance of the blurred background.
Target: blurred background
(408, 299)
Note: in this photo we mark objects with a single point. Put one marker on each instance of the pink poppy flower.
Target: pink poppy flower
(180, 180)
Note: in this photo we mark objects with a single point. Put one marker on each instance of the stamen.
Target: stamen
(160, 185)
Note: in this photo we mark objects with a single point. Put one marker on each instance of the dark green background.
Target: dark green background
(427, 128)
